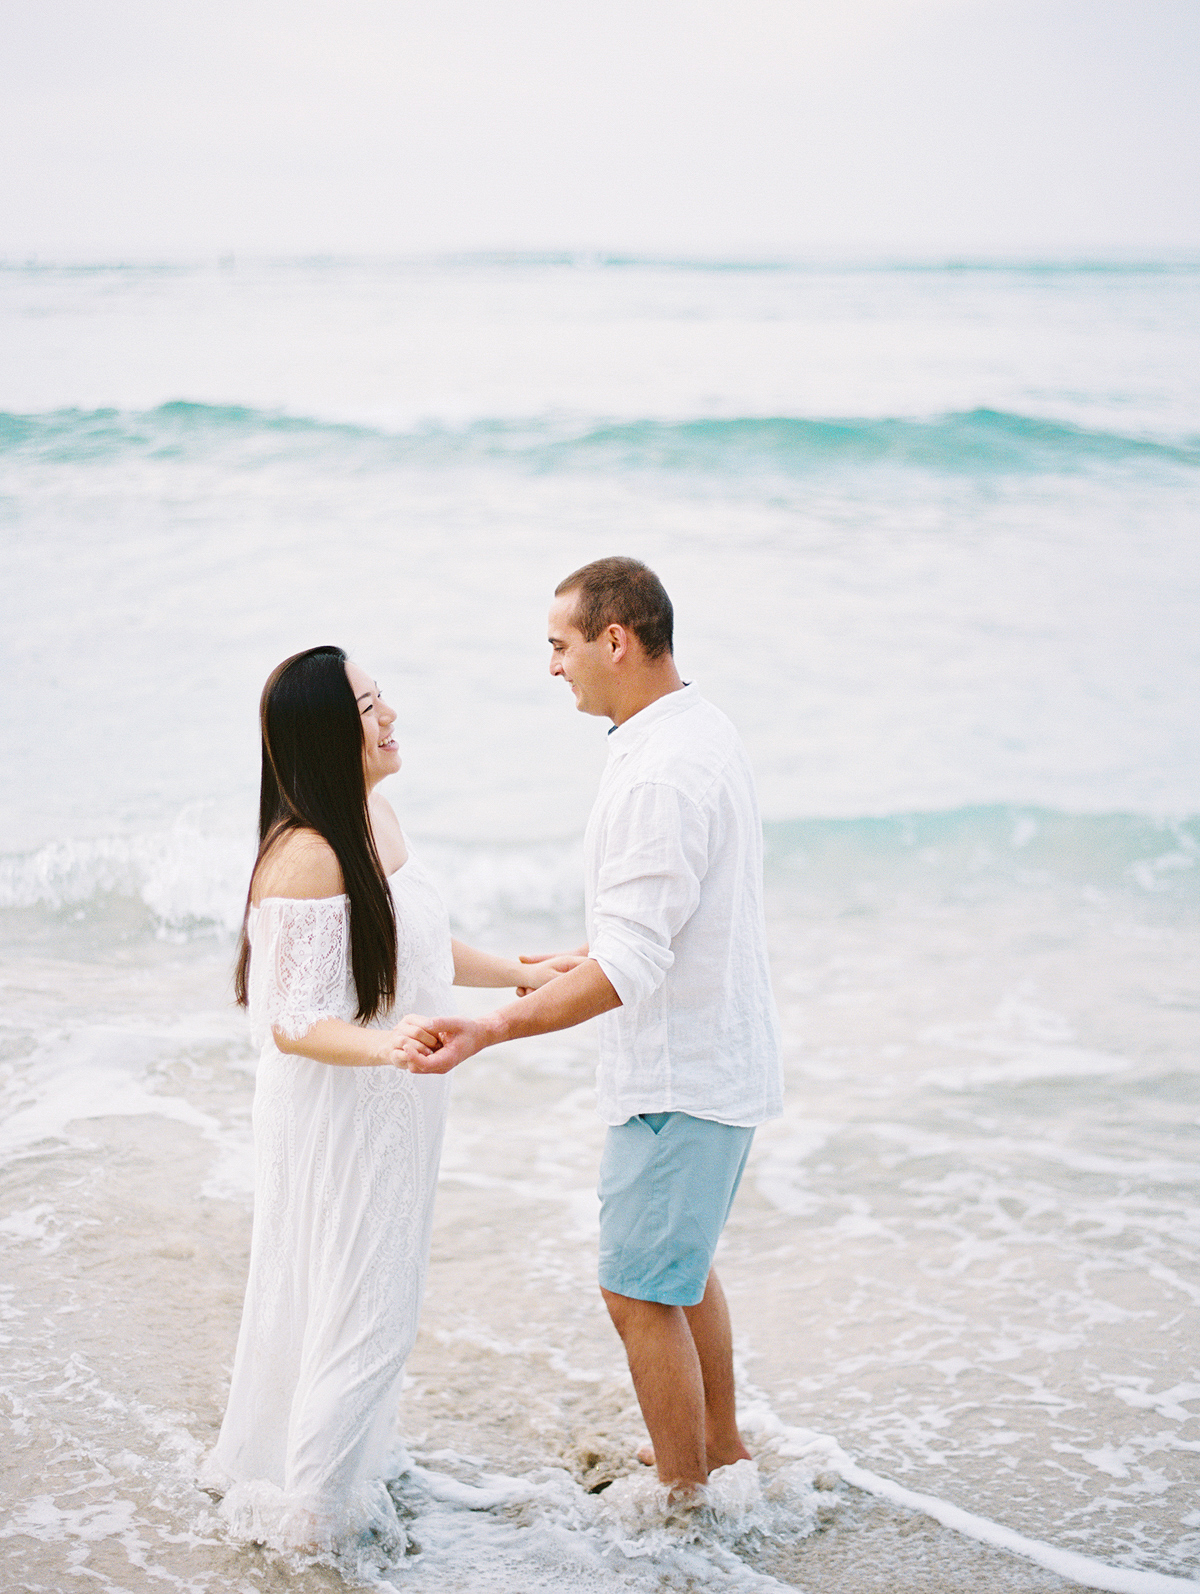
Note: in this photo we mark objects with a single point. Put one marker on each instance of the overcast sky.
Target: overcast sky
(715, 127)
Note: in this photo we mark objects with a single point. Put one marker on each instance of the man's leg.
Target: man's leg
(708, 1325)
(669, 1383)
(713, 1339)
(667, 1182)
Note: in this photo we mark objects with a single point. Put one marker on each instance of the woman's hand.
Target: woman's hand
(546, 966)
(457, 1039)
(408, 1040)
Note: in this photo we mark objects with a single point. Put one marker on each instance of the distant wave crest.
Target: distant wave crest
(980, 441)
(182, 880)
(1026, 845)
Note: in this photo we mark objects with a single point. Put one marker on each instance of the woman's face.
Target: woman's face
(380, 754)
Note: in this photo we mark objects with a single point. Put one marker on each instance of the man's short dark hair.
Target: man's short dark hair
(624, 592)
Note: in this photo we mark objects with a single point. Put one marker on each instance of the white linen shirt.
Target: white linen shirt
(673, 880)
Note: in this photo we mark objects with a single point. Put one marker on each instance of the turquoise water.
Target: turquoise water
(982, 441)
(932, 540)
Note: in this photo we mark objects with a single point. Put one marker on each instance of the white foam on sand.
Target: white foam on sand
(819, 1450)
(544, 1531)
(471, 1529)
(94, 1071)
(1065, 1563)
(459, 1528)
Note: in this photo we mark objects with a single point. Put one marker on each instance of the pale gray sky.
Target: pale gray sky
(726, 127)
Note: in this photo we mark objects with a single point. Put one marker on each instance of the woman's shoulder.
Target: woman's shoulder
(301, 865)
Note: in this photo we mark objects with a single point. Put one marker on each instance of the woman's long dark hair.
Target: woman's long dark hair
(313, 778)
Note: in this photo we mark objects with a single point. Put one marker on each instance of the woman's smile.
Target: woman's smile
(381, 756)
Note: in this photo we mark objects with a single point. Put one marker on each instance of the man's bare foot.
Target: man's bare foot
(684, 1498)
(646, 1456)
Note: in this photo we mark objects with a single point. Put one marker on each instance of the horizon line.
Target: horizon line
(951, 260)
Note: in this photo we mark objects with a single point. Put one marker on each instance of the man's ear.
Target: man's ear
(617, 639)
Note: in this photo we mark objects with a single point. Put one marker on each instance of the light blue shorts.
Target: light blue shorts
(667, 1183)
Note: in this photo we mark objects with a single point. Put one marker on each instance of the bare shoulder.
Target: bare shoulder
(299, 865)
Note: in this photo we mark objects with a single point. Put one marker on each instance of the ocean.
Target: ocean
(931, 531)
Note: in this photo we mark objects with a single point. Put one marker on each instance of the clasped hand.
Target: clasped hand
(436, 1045)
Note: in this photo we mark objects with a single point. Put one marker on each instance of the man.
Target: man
(676, 964)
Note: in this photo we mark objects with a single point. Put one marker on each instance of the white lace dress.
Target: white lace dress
(346, 1162)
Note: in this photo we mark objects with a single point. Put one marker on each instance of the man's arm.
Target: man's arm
(565, 1001)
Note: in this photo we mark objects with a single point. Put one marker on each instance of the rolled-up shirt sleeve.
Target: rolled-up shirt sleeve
(648, 886)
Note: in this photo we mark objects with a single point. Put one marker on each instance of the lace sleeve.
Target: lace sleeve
(299, 966)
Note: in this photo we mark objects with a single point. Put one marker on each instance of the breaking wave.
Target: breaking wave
(979, 441)
(184, 881)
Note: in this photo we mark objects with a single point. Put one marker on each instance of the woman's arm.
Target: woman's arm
(333, 1041)
(305, 869)
(486, 970)
(577, 996)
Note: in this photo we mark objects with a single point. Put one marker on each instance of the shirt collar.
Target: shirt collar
(627, 735)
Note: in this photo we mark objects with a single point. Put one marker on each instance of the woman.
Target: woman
(342, 928)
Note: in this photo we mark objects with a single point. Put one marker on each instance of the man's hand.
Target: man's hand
(565, 1000)
(457, 1039)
